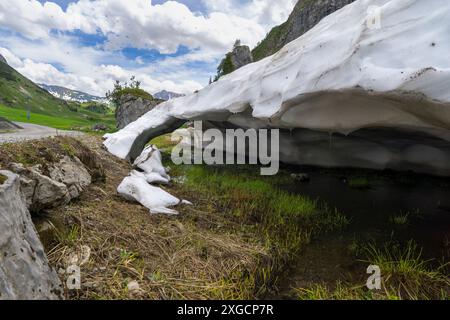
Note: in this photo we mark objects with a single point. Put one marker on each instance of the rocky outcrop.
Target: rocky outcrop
(343, 94)
(241, 56)
(237, 58)
(306, 14)
(131, 108)
(24, 270)
(63, 182)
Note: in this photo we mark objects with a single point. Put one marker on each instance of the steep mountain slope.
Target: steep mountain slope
(19, 94)
(71, 95)
(2, 59)
(306, 14)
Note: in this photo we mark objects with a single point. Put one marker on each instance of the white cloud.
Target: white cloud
(98, 81)
(136, 23)
(37, 48)
(266, 13)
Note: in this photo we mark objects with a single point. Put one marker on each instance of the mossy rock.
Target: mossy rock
(138, 93)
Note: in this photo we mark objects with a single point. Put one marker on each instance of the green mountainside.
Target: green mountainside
(306, 14)
(19, 95)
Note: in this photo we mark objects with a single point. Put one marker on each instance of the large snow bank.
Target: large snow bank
(340, 77)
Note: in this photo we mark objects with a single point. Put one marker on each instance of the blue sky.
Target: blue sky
(88, 44)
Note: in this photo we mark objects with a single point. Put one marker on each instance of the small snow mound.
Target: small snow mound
(150, 161)
(137, 185)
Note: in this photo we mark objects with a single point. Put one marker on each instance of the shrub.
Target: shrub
(132, 88)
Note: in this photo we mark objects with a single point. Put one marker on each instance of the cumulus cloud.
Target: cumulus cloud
(135, 23)
(38, 42)
(267, 13)
(98, 81)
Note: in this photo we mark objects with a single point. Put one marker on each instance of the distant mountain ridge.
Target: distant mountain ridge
(167, 95)
(71, 95)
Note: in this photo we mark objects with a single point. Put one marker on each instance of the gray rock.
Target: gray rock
(65, 181)
(42, 192)
(73, 174)
(132, 108)
(241, 56)
(24, 270)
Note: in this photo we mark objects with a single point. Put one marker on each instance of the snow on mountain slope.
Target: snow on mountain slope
(71, 95)
(341, 77)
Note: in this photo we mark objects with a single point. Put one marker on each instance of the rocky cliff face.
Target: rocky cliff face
(237, 58)
(241, 56)
(306, 14)
(131, 108)
(24, 270)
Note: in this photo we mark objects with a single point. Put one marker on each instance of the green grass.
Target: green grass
(2, 179)
(400, 219)
(68, 237)
(283, 222)
(340, 292)
(359, 183)
(67, 122)
(406, 274)
(18, 94)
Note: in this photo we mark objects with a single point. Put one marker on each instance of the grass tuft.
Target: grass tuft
(405, 274)
(359, 183)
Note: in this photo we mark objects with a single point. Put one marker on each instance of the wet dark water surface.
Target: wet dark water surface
(375, 211)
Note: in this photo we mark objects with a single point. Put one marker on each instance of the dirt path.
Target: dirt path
(32, 132)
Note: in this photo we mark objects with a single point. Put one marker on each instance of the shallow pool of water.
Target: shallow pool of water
(377, 214)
